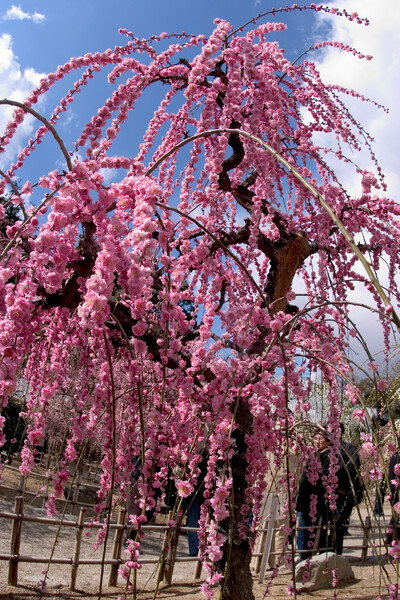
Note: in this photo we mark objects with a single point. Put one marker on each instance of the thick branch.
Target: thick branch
(69, 296)
(290, 255)
(45, 122)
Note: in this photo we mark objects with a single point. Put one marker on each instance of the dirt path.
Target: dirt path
(365, 586)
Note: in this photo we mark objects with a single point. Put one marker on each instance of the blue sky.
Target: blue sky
(38, 35)
(47, 32)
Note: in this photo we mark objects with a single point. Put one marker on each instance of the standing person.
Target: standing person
(348, 490)
(193, 509)
(278, 486)
(311, 501)
(380, 498)
(350, 462)
(133, 497)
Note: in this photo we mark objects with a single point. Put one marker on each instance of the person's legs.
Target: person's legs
(340, 530)
(341, 521)
(310, 534)
(301, 534)
(281, 537)
(380, 495)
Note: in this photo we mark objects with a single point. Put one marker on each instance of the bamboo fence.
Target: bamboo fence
(14, 557)
(119, 528)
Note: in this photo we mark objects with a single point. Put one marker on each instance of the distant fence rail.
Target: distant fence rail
(15, 558)
(81, 494)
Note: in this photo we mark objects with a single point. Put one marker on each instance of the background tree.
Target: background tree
(225, 205)
(14, 429)
(11, 216)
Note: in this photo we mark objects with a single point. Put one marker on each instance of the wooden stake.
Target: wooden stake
(117, 548)
(171, 555)
(77, 549)
(22, 484)
(15, 541)
(367, 528)
(197, 571)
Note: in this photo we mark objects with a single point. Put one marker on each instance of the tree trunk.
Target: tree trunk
(238, 581)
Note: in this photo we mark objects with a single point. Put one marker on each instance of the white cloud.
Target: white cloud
(16, 13)
(15, 85)
(110, 175)
(377, 79)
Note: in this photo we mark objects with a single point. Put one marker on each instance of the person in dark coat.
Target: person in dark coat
(333, 523)
(312, 488)
(350, 462)
(191, 506)
(194, 502)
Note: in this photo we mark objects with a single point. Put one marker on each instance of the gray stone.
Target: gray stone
(316, 574)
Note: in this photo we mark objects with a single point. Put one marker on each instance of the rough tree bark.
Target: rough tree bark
(235, 566)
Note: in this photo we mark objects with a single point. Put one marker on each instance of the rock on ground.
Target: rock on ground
(318, 572)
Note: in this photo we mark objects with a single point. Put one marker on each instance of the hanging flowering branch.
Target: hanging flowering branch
(161, 304)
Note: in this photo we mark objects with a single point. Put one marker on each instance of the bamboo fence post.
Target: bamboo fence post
(117, 548)
(197, 571)
(21, 485)
(199, 563)
(75, 494)
(367, 528)
(163, 556)
(261, 544)
(48, 460)
(318, 528)
(15, 541)
(77, 549)
(46, 494)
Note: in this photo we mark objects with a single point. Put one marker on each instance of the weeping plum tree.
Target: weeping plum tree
(164, 301)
